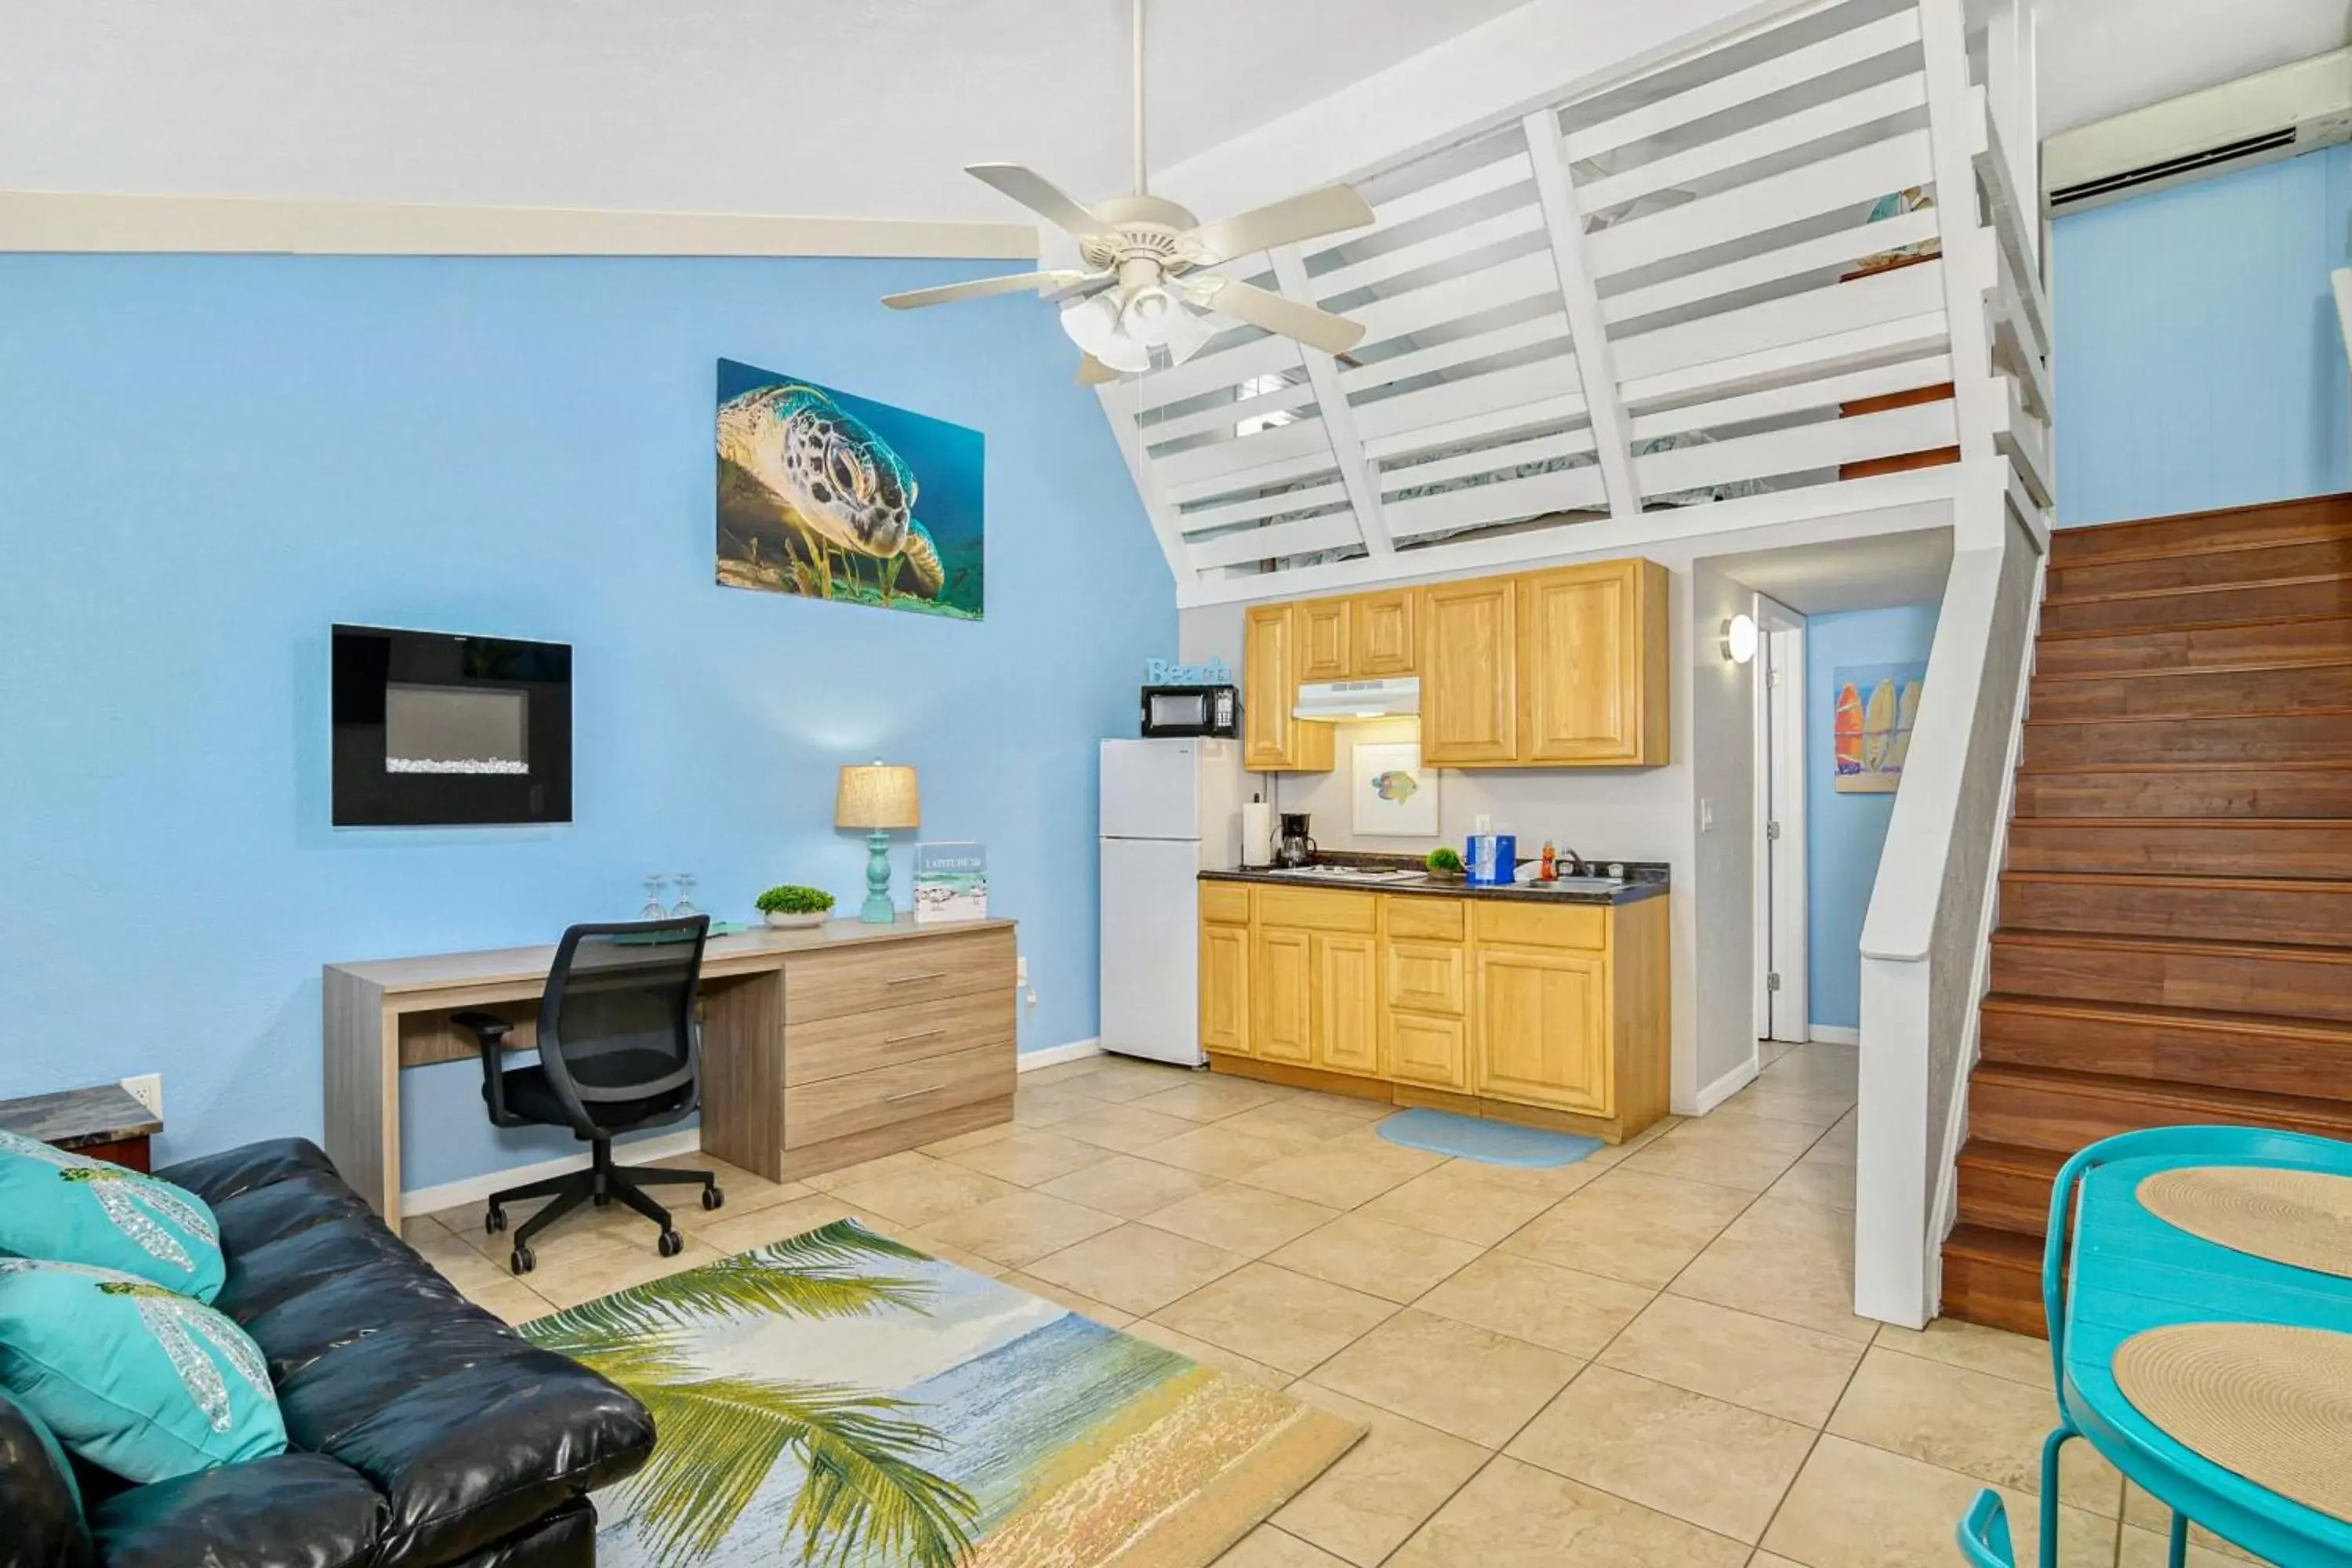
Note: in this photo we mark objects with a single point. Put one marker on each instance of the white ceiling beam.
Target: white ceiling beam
(1339, 419)
(1594, 363)
(1156, 504)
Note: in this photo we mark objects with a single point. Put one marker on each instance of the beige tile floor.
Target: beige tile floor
(1646, 1359)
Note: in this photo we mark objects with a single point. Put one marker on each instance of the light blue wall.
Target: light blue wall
(206, 461)
(1844, 833)
(2198, 362)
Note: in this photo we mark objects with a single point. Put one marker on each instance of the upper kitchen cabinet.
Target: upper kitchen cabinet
(1322, 639)
(1469, 703)
(1593, 666)
(1273, 741)
(1380, 640)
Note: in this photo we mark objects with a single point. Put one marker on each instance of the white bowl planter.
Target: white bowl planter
(784, 921)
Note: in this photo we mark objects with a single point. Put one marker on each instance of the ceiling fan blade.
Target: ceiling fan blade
(1039, 195)
(1092, 372)
(1083, 286)
(1246, 301)
(1328, 210)
(979, 287)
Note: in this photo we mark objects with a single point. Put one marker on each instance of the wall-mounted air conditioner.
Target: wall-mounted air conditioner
(2273, 114)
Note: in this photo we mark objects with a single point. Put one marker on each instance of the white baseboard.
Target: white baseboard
(1055, 1055)
(475, 1189)
(1727, 1086)
(1835, 1034)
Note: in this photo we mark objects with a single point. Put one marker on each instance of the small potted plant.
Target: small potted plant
(789, 905)
(1444, 865)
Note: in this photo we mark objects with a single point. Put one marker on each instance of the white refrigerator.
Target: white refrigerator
(1169, 809)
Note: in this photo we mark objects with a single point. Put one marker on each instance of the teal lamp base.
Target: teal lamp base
(878, 911)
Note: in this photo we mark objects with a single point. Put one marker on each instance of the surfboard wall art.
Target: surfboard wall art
(1876, 705)
(832, 496)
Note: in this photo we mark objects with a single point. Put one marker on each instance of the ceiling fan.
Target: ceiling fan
(1142, 287)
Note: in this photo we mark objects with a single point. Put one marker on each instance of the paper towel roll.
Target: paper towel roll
(1258, 833)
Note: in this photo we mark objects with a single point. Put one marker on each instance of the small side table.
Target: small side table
(103, 1121)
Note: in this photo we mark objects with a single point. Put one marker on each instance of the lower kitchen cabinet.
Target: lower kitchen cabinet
(1429, 1051)
(1346, 1003)
(1224, 989)
(1281, 986)
(1543, 1028)
(1555, 1014)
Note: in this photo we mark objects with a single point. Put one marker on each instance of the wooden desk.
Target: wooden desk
(821, 1047)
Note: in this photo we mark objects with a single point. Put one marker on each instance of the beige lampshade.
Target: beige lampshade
(878, 794)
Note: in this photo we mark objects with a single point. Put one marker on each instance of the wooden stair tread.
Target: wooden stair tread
(2331, 653)
(2177, 1017)
(1996, 1246)
(2239, 717)
(2189, 883)
(2304, 520)
(2292, 617)
(2119, 942)
(2221, 766)
(2014, 1159)
(2226, 1105)
(2189, 590)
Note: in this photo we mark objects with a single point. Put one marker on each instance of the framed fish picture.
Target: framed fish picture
(832, 496)
(1394, 796)
(1871, 734)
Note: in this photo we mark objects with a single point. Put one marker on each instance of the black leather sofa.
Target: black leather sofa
(423, 1433)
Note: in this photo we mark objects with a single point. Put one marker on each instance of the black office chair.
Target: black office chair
(618, 1050)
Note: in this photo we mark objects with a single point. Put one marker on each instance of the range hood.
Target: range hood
(1335, 701)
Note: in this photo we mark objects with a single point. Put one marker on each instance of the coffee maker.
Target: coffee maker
(1294, 847)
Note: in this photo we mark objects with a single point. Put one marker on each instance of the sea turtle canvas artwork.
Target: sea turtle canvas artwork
(832, 496)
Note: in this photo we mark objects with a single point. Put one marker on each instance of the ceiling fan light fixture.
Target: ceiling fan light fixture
(1149, 315)
(1189, 331)
(1094, 325)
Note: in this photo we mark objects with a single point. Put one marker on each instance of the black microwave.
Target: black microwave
(1173, 711)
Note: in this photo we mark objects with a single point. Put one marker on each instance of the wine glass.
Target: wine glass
(684, 909)
(655, 882)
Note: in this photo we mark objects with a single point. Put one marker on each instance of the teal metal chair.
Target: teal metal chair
(2142, 1273)
(1984, 1534)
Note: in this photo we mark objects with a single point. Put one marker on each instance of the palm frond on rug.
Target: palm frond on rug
(843, 1400)
(721, 1436)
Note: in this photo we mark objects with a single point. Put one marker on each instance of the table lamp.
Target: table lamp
(877, 796)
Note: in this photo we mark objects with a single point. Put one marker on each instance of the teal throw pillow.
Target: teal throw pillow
(59, 1206)
(129, 1376)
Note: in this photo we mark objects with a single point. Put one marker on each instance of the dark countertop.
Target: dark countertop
(1643, 879)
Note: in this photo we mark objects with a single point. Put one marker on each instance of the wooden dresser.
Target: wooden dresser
(821, 1047)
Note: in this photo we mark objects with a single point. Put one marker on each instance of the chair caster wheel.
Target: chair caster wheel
(494, 1222)
(521, 1260)
(671, 1244)
(713, 1198)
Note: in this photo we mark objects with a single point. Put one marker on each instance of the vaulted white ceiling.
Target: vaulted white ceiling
(811, 108)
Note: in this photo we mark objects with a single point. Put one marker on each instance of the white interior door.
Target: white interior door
(1783, 999)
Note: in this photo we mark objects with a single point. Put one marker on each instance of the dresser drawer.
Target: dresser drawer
(888, 975)
(860, 1042)
(860, 1102)
(1576, 925)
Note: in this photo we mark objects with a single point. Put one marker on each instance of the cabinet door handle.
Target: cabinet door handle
(927, 974)
(918, 1035)
(912, 1094)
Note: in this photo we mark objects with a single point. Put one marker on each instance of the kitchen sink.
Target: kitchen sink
(1575, 885)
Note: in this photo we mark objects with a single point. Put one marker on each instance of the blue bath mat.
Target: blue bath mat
(1489, 1142)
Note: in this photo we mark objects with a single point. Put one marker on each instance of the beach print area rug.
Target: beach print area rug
(843, 1400)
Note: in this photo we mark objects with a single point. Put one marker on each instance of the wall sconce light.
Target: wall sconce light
(1739, 638)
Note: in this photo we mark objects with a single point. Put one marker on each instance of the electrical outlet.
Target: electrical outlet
(148, 1090)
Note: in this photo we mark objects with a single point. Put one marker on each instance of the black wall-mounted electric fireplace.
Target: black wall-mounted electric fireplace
(433, 729)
